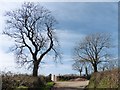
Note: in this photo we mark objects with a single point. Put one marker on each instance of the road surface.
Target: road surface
(70, 85)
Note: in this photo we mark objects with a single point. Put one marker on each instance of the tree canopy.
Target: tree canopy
(32, 27)
(93, 49)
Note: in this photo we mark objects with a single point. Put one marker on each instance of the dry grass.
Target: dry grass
(106, 79)
(15, 81)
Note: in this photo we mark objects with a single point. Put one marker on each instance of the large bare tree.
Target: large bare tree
(32, 27)
(93, 49)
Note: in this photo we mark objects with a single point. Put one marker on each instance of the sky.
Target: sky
(75, 21)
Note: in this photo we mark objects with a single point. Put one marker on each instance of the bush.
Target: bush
(10, 81)
(48, 78)
(106, 79)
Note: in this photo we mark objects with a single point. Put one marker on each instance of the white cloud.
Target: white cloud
(68, 38)
(50, 67)
(56, 69)
(6, 60)
(7, 63)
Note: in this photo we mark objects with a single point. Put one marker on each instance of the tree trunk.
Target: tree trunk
(80, 72)
(86, 71)
(35, 69)
(95, 68)
(103, 69)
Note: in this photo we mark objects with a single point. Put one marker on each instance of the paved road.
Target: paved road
(70, 85)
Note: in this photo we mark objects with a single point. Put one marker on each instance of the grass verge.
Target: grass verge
(49, 85)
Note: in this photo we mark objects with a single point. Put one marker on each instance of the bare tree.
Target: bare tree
(104, 66)
(113, 64)
(82, 66)
(93, 49)
(78, 66)
(32, 27)
(110, 65)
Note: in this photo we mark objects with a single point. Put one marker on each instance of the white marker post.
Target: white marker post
(53, 78)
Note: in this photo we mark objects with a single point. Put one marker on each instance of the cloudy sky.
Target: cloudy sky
(76, 20)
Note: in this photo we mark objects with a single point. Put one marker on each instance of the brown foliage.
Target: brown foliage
(105, 79)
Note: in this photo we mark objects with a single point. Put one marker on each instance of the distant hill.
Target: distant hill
(106, 79)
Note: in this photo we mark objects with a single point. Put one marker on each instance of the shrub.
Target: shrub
(10, 81)
(106, 79)
(48, 78)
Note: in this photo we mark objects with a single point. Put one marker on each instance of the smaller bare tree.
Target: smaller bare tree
(113, 64)
(110, 65)
(93, 49)
(82, 66)
(104, 66)
(78, 66)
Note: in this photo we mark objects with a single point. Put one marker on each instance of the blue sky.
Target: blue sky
(76, 20)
